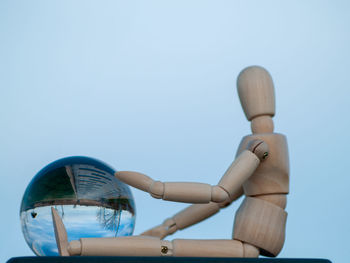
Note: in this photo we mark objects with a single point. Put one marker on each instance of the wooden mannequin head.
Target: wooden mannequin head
(257, 96)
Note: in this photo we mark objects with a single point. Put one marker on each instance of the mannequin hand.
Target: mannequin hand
(163, 230)
(158, 231)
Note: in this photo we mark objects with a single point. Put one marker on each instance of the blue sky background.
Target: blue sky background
(150, 86)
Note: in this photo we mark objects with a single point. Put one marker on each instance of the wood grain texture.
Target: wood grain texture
(189, 216)
(261, 224)
(207, 248)
(272, 175)
(239, 171)
(187, 192)
(135, 179)
(168, 227)
(121, 246)
(276, 199)
(194, 214)
(262, 124)
(256, 92)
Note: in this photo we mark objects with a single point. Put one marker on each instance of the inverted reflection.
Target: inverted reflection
(88, 198)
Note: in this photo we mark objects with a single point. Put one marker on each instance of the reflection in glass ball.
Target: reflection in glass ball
(88, 198)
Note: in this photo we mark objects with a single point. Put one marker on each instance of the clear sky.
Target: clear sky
(150, 86)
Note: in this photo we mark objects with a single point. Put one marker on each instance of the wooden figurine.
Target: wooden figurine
(260, 172)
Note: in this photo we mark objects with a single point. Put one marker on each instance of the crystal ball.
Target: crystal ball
(86, 195)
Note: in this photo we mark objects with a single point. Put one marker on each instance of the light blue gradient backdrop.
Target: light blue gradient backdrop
(150, 86)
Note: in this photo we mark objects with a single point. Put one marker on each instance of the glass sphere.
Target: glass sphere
(86, 195)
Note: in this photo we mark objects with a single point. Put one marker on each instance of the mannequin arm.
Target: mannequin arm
(238, 172)
(189, 216)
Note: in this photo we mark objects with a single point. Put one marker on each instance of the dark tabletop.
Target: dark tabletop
(160, 259)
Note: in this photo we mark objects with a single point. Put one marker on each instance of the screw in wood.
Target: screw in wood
(164, 249)
(265, 155)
